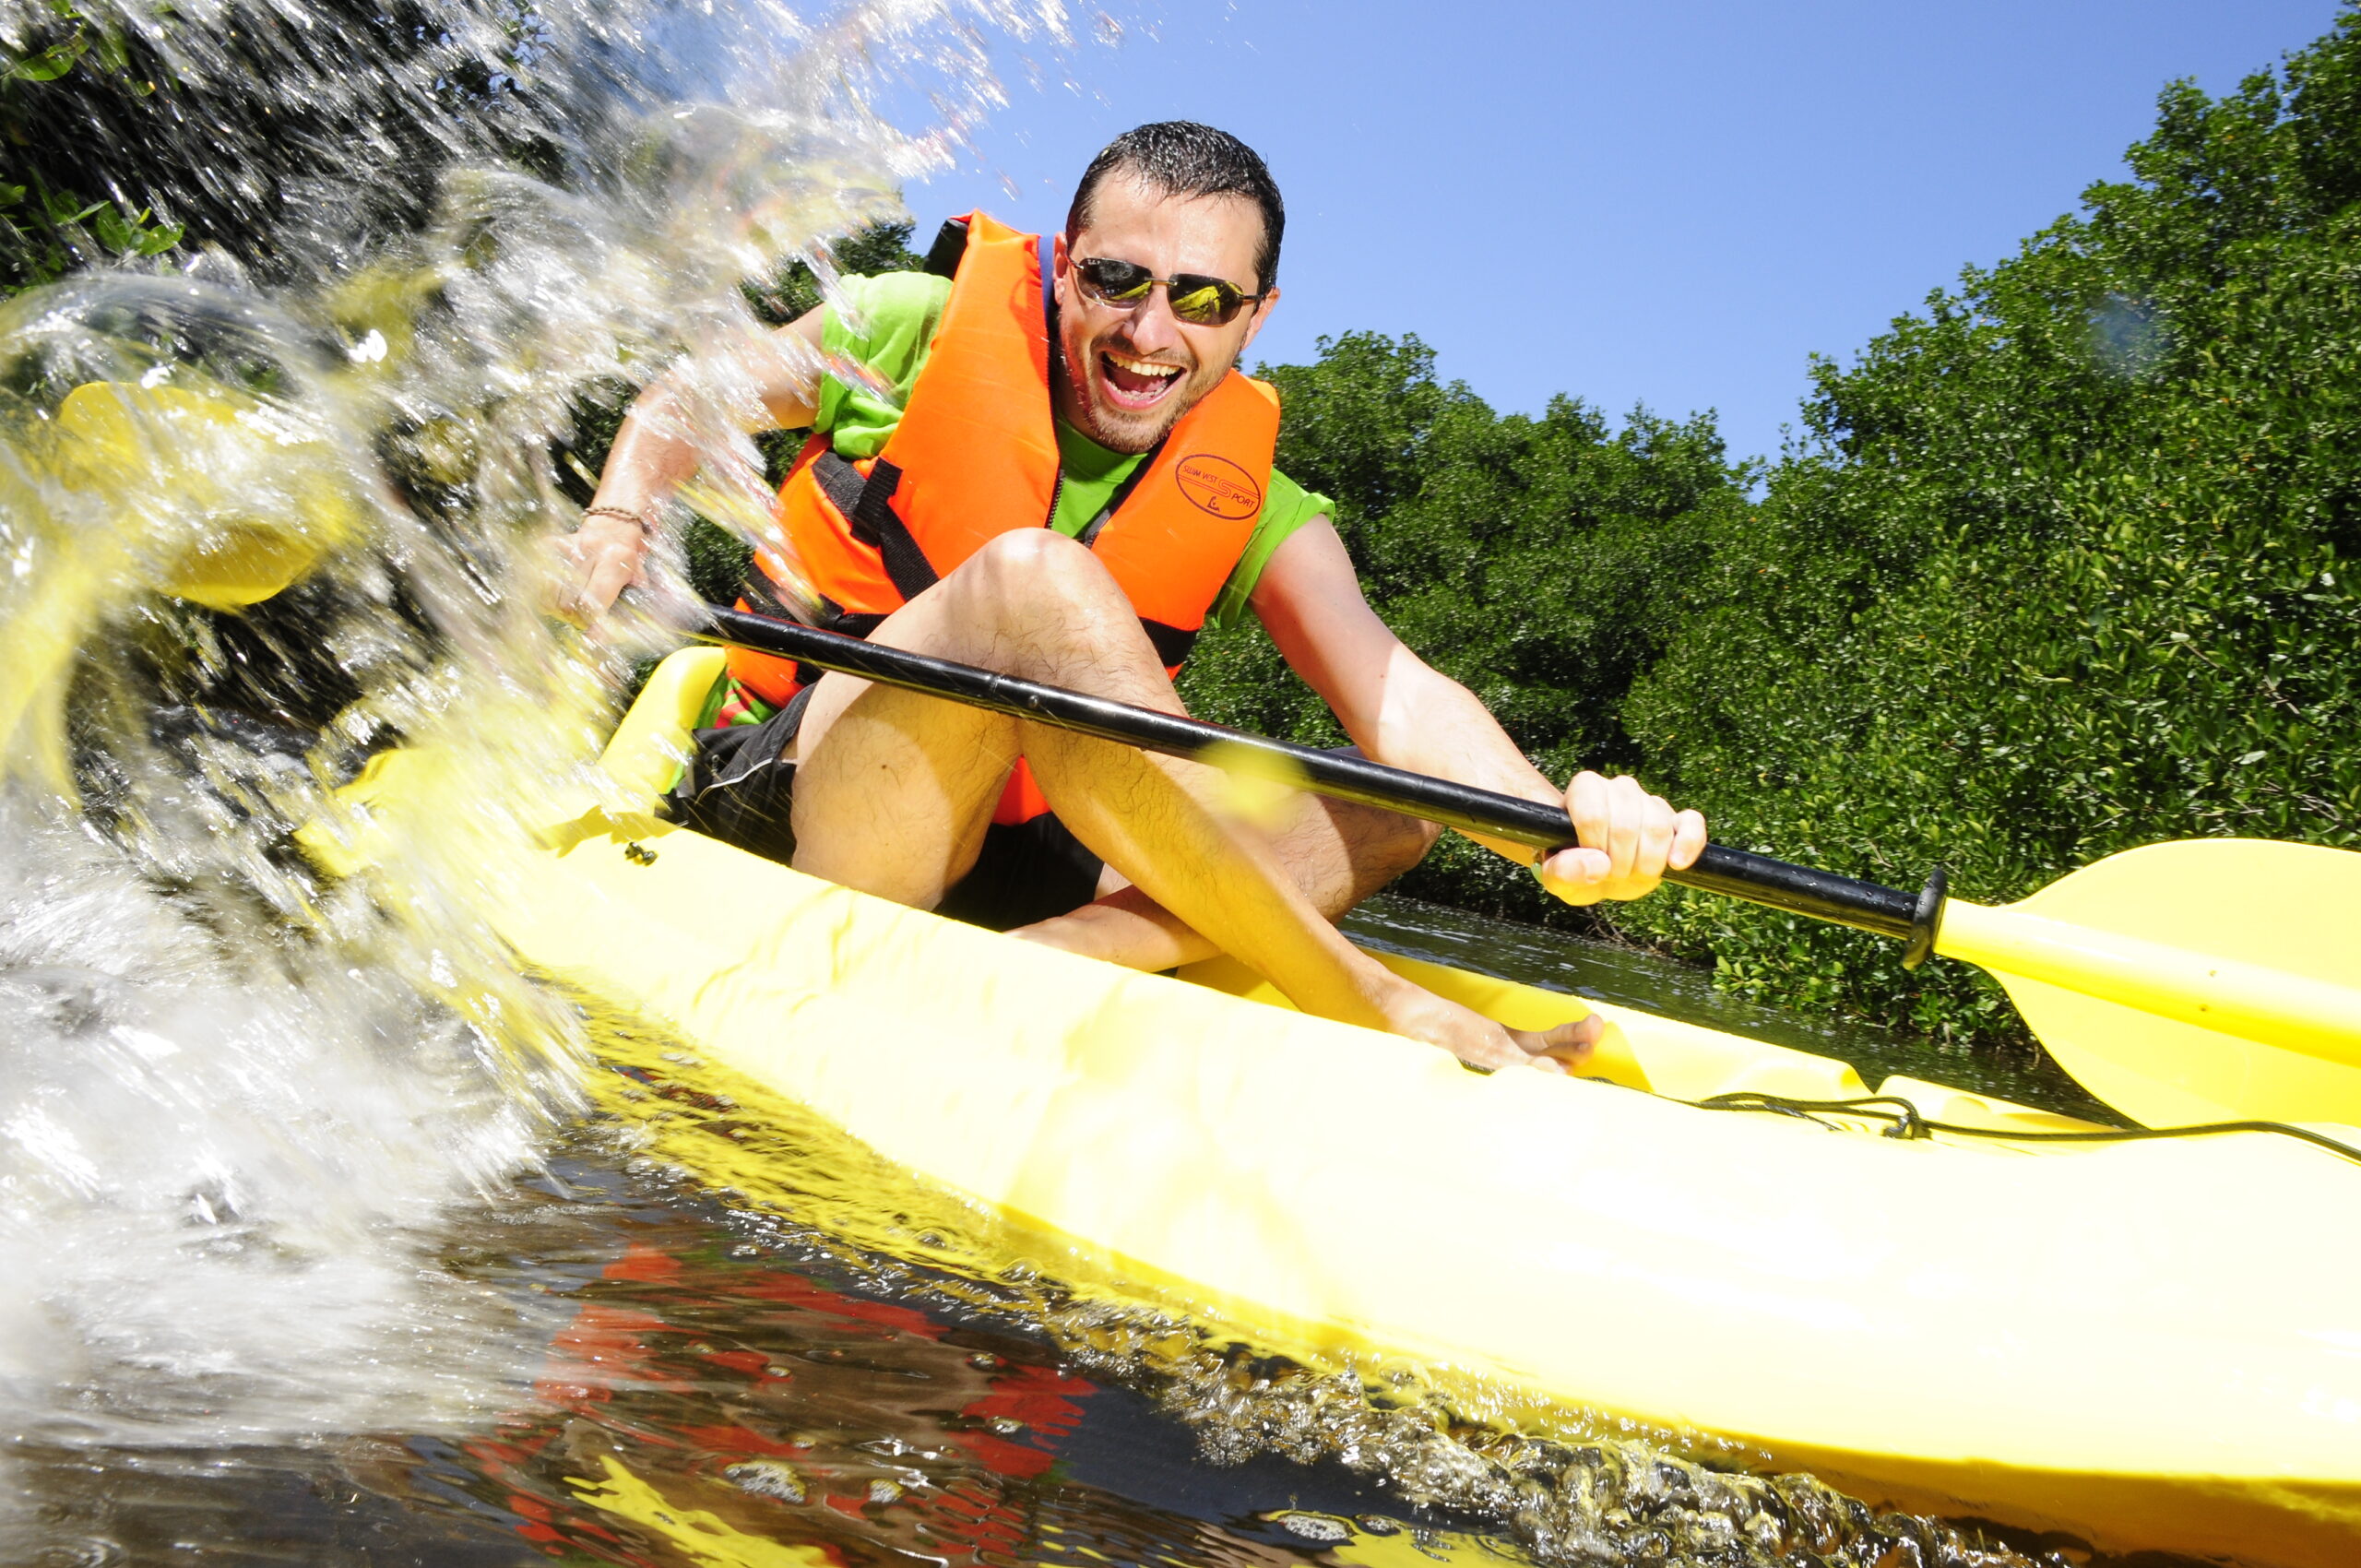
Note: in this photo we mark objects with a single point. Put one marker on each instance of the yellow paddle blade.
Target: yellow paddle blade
(2208, 980)
(244, 501)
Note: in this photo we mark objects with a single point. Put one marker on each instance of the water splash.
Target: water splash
(216, 1177)
(2128, 337)
(270, 506)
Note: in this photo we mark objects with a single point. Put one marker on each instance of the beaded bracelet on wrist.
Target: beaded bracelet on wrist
(646, 528)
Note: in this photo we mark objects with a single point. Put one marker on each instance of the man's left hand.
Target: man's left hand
(1628, 838)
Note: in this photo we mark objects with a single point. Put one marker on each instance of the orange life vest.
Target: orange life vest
(976, 456)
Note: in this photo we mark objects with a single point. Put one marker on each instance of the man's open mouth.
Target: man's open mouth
(1136, 384)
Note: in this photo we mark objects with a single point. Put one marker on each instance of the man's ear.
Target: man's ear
(1061, 269)
(1261, 315)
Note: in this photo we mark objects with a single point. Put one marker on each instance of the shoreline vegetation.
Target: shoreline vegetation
(2058, 566)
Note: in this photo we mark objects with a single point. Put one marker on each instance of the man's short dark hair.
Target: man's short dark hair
(1183, 159)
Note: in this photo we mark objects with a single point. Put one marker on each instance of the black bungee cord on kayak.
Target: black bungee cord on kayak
(1905, 1122)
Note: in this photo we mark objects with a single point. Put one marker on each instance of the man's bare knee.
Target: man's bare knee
(1342, 852)
(1381, 844)
(1033, 564)
(1427, 834)
(1398, 844)
(1050, 609)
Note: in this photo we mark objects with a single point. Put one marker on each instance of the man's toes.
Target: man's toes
(1582, 1034)
(1568, 1045)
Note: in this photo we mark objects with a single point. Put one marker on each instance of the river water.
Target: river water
(595, 1358)
(316, 1246)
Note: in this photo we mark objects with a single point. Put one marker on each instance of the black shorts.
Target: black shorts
(738, 790)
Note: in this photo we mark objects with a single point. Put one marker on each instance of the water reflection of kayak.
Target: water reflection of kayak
(710, 1402)
(2140, 1345)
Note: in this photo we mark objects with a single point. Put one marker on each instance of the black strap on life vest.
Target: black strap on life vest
(950, 244)
(841, 482)
(868, 507)
(762, 599)
(1172, 644)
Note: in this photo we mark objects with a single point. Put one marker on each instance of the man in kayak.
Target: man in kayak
(1088, 383)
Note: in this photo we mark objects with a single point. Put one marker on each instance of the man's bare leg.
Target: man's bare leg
(893, 790)
(1338, 853)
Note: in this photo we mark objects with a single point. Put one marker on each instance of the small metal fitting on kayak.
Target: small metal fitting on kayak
(1926, 921)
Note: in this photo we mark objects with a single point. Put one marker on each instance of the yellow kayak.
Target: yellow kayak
(2150, 1345)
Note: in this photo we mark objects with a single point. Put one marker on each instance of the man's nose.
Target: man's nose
(1154, 326)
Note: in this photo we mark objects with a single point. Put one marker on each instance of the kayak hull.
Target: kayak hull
(2140, 1345)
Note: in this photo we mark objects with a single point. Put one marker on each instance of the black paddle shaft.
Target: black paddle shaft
(1756, 878)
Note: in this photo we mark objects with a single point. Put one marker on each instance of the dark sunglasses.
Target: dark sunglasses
(1195, 299)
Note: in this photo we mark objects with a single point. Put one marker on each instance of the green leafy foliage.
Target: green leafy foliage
(2063, 566)
(45, 227)
(795, 290)
(117, 154)
(2063, 569)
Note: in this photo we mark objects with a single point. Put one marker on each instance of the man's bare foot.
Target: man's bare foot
(1479, 1041)
(1097, 931)
(1566, 1047)
(1126, 927)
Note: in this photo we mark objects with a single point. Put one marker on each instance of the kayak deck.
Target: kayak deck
(2143, 1345)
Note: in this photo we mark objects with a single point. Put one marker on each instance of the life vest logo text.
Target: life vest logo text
(1219, 486)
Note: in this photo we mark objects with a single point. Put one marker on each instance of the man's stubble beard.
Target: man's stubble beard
(1119, 429)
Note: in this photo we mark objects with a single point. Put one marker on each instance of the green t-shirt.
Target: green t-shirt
(876, 343)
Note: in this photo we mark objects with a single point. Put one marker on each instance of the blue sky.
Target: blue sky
(1670, 204)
